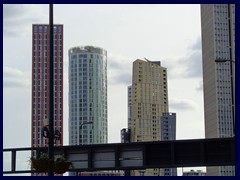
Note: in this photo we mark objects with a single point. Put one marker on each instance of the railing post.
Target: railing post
(13, 160)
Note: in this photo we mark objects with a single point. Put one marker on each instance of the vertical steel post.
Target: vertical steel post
(14, 160)
(51, 92)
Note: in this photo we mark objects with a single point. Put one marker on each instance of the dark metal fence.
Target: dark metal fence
(141, 155)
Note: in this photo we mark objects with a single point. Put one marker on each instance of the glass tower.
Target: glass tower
(87, 95)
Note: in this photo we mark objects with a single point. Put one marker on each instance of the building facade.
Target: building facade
(194, 173)
(87, 95)
(102, 173)
(168, 126)
(168, 130)
(40, 83)
(129, 104)
(148, 103)
(218, 43)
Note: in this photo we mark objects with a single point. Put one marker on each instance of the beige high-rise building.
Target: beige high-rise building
(149, 100)
(218, 43)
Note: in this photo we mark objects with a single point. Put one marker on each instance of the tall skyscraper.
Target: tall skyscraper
(218, 43)
(40, 82)
(87, 95)
(148, 105)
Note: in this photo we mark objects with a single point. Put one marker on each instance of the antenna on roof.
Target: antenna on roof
(147, 59)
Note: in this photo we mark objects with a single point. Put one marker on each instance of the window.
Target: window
(59, 29)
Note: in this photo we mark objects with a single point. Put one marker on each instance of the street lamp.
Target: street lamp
(80, 127)
(223, 60)
(233, 103)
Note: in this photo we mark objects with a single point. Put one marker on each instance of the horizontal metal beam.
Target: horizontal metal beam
(142, 155)
(19, 172)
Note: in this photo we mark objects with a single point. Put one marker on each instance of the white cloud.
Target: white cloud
(200, 86)
(187, 66)
(197, 46)
(182, 104)
(18, 18)
(119, 70)
(11, 72)
(15, 78)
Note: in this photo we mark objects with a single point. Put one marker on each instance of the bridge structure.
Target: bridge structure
(140, 155)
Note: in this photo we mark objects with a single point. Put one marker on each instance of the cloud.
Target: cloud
(189, 66)
(182, 104)
(18, 18)
(200, 86)
(119, 70)
(13, 84)
(193, 65)
(114, 64)
(196, 46)
(14, 78)
(11, 72)
(122, 78)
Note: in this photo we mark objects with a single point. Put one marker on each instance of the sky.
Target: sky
(159, 32)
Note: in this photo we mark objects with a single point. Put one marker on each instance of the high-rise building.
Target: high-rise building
(40, 82)
(87, 95)
(148, 104)
(218, 43)
(168, 126)
(129, 104)
(168, 130)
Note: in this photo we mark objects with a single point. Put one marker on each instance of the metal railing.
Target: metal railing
(140, 155)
